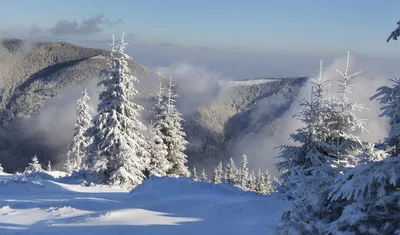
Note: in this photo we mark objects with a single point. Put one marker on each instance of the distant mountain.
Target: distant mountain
(32, 75)
(240, 108)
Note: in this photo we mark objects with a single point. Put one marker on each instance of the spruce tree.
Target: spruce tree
(69, 165)
(244, 173)
(269, 183)
(49, 166)
(261, 188)
(119, 149)
(174, 136)
(231, 172)
(326, 146)
(370, 192)
(80, 140)
(370, 154)
(251, 184)
(34, 166)
(334, 148)
(159, 165)
(371, 195)
(203, 176)
(218, 174)
(194, 175)
(1, 168)
(311, 151)
(345, 124)
(389, 97)
(263, 184)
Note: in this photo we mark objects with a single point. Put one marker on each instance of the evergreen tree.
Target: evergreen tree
(244, 173)
(251, 184)
(328, 143)
(159, 165)
(160, 107)
(371, 195)
(69, 165)
(389, 97)
(49, 166)
(268, 181)
(261, 188)
(194, 175)
(345, 123)
(263, 184)
(203, 176)
(231, 172)
(1, 168)
(370, 192)
(119, 149)
(174, 137)
(33, 166)
(370, 154)
(80, 140)
(311, 151)
(328, 147)
(218, 174)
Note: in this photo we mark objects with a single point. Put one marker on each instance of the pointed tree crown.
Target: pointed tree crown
(119, 149)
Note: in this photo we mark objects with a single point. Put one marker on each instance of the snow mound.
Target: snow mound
(184, 186)
(43, 204)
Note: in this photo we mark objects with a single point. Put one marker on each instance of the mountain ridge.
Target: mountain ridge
(37, 74)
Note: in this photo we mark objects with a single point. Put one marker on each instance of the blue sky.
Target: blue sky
(306, 25)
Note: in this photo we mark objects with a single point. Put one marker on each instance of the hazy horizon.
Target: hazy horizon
(240, 40)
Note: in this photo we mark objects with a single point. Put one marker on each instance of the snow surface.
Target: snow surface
(46, 203)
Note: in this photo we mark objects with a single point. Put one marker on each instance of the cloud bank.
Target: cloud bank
(87, 27)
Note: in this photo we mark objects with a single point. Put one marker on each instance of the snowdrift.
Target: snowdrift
(46, 204)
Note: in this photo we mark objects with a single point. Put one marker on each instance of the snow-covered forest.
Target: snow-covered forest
(332, 180)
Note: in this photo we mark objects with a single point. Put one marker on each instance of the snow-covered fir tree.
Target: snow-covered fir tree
(262, 184)
(251, 183)
(310, 152)
(119, 148)
(370, 192)
(389, 97)
(371, 195)
(1, 168)
(218, 174)
(244, 173)
(370, 154)
(174, 136)
(329, 135)
(203, 176)
(345, 123)
(194, 175)
(159, 164)
(34, 166)
(49, 166)
(80, 140)
(231, 173)
(69, 165)
(160, 109)
(327, 147)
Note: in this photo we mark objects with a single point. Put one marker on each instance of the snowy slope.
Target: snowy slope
(48, 205)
